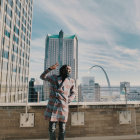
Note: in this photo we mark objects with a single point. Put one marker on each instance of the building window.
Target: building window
(5, 65)
(20, 61)
(14, 68)
(23, 36)
(1, 3)
(8, 21)
(15, 39)
(28, 27)
(5, 54)
(15, 48)
(30, 22)
(26, 79)
(10, 2)
(24, 13)
(18, 3)
(17, 12)
(27, 41)
(18, 22)
(13, 58)
(16, 30)
(8, 10)
(23, 29)
(22, 54)
(23, 20)
(7, 33)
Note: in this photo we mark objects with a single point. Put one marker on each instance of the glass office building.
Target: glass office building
(15, 39)
(63, 49)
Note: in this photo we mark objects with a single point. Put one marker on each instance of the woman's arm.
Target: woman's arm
(43, 76)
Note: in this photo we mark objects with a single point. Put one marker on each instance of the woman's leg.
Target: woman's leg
(52, 128)
(62, 127)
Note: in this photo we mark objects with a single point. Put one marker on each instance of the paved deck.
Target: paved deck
(125, 137)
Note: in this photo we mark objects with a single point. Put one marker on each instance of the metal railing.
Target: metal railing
(102, 94)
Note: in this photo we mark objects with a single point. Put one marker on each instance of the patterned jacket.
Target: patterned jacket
(61, 93)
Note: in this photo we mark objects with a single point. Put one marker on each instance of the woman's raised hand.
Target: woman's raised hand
(54, 66)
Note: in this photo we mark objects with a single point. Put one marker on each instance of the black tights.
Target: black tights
(52, 128)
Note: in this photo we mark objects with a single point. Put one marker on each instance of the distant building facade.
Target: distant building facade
(133, 96)
(40, 91)
(15, 39)
(79, 93)
(87, 89)
(124, 90)
(97, 92)
(32, 96)
(35, 91)
(63, 49)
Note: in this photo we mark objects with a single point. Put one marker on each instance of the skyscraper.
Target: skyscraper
(87, 89)
(15, 38)
(63, 49)
(97, 92)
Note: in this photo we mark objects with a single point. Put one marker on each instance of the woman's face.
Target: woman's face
(67, 71)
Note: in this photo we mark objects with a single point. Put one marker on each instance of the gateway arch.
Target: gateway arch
(108, 82)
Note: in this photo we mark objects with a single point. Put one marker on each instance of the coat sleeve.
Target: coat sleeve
(72, 92)
(44, 76)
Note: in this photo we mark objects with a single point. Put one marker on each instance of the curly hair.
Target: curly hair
(62, 68)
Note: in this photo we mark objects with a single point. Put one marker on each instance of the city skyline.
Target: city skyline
(108, 34)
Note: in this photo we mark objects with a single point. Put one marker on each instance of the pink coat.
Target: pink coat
(60, 95)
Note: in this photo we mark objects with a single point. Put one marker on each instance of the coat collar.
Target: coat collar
(60, 80)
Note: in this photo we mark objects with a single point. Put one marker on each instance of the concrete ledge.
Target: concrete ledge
(99, 121)
(126, 137)
(44, 103)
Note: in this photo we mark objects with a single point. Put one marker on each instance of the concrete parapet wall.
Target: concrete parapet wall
(99, 120)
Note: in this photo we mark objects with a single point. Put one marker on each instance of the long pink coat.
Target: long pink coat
(60, 95)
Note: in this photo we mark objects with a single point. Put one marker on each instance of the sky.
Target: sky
(108, 34)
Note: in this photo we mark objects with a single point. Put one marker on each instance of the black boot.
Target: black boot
(52, 128)
(62, 127)
(61, 136)
(52, 136)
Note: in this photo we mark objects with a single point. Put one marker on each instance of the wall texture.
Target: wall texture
(99, 120)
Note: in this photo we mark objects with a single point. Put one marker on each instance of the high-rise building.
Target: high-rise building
(35, 91)
(63, 49)
(15, 39)
(124, 90)
(87, 89)
(97, 92)
(79, 93)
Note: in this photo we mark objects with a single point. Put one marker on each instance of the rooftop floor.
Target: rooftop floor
(125, 137)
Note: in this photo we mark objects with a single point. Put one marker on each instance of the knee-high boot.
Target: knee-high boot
(62, 127)
(52, 128)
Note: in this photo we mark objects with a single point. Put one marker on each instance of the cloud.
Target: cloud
(37, 57)
(102, 28)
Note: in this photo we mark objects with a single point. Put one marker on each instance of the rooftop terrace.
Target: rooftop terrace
(87, 121)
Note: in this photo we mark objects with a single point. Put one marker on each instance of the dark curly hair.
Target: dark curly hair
(62, 68)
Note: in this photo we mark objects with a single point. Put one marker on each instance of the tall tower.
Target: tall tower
(97, 92)
(63, 49)
(15, 38)
(87, 89)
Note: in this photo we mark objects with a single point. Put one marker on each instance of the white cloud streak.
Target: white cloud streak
(96, 22)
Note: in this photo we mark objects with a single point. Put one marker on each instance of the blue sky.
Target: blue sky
(108, 34)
